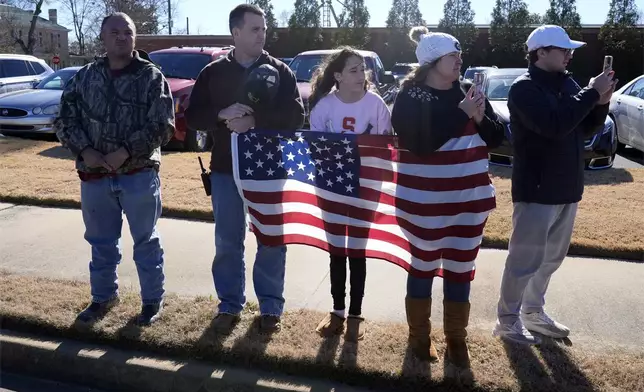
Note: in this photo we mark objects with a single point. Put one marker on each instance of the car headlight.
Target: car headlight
(51, 109)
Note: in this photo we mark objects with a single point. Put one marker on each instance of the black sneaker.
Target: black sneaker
(150, 313)
(96, 311)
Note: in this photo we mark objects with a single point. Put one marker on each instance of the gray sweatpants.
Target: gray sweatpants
(538, 245)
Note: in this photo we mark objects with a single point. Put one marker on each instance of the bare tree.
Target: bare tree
(26, 13)
(82, 12)
(284, 18)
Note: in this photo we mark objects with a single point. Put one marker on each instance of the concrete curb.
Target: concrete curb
(106, 367)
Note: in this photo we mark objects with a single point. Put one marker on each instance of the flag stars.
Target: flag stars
(249, 172)
(249, 155)
(280, 148)
(259, 163)
(321, 172)
(311, 176)
(280, 164)
(349, 188)
(349, 175)
(339, 179)
(290, 142)
(290, 172)
(270, 172)
(340, 165)
(269, 156)
(258, 147)
(348, 149)
(322, 139)
(329, 183)
(350, 160)
(290, 156)
(338, 156)
(346, 141)
(301, 166)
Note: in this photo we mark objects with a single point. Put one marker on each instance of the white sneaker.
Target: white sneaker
(542, 323)
(515, 333)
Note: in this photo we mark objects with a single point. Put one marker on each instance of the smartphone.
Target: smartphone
(608, 63)
(478, 82)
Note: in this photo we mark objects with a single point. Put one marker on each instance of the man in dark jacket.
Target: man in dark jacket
(550, 117)
(115, 114)
(215, 105)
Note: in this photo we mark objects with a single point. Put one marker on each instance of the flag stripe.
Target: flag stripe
(426, 249)
(425, 184)
(366, 218)
(439, 158)
(368, 253)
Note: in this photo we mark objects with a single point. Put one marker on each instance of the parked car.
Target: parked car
(599, 149)
(181, 66)
(286, 60)
(401, 70)
(21, 72)
(468, 75)
(306, 63)
(32, 111)
(627, 111)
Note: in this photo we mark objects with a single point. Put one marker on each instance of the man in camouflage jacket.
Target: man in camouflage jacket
(115, 115)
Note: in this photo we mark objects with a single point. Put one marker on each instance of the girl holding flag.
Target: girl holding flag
(350, 108)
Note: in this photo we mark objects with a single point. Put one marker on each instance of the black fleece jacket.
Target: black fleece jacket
(550, 117)
(425, 119)
(218, 86)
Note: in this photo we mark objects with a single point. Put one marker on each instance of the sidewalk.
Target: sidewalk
(600, 300)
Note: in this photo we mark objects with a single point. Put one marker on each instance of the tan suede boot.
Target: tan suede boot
(457, 356)
(418, 314)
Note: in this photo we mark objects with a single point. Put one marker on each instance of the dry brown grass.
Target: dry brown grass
(608, 222)
(47, 306)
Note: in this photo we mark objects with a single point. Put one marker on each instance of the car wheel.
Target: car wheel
(197, 141)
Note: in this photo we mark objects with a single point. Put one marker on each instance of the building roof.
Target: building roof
(24, 17)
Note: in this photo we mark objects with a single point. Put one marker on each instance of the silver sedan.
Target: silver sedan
(32, 111)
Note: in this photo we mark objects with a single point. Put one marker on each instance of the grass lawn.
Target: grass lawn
(48, 307)
(609, 221)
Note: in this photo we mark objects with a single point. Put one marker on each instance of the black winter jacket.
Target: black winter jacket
(550, 117)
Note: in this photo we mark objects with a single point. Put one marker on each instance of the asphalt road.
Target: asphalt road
(10, 382)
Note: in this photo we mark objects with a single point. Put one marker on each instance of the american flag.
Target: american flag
(361, 196)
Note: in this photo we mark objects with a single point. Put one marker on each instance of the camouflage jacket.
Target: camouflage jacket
(103, 110)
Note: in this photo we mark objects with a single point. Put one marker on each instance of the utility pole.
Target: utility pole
(187, 26)
(170, 17)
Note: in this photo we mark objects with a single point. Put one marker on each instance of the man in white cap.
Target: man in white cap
(550, 117)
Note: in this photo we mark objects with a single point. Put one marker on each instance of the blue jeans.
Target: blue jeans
(103, 202)
(228, 267)
(452, 291)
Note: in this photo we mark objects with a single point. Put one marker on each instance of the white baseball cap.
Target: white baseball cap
(433, 46)
(551, 35)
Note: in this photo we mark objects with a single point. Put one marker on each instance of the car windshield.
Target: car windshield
(181, 65)
(304, 66)
(57, 80)
(497, 87)
(401, 69)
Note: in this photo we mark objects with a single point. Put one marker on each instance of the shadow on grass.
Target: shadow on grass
(561, 372)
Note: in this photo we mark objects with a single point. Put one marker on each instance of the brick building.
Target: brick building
(51, 38)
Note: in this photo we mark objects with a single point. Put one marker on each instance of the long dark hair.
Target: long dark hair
(418, 74)
(324, 77)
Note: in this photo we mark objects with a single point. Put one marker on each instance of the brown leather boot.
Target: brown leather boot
(457, 356)
(418, 313)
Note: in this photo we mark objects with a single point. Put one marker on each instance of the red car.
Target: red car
(181, 66)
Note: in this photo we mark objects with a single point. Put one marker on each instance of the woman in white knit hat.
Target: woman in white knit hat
(434, 116)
